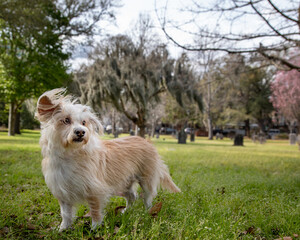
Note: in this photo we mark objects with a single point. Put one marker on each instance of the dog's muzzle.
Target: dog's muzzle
(79, 133)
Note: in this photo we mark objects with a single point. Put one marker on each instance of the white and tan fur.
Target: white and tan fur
(78, 166)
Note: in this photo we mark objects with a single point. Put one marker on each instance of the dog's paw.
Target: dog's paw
(63, 227)
(96, 225)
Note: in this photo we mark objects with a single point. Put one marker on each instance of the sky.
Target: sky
(129, 13)
(126, 16)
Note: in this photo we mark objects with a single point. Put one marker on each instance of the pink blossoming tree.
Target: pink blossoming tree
(286, 93)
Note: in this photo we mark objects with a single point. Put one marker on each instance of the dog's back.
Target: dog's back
(136, 157)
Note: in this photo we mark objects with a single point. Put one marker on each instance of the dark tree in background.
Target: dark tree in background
(124, 74)
(245, 92)
(31, 54)
(34, 36)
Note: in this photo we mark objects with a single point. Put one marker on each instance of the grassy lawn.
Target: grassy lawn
(250, 192)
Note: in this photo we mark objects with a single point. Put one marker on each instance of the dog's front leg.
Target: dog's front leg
(96, 205)
(67, 215)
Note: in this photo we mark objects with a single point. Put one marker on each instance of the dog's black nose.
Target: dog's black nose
(79, 133)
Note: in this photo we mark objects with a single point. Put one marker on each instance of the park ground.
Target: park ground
(228, 192)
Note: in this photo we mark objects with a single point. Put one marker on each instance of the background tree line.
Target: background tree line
(135, 74)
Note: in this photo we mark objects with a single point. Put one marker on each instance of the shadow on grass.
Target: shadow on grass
(19, 141)
(196, 144)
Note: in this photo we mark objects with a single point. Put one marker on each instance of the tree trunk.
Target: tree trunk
(152, 129)
(261, 125)
(17, 122)
(209, 120)
(142, 131)
(113, 123)
(247, 128)
(12, 118)
(210, 128)
(141, 122)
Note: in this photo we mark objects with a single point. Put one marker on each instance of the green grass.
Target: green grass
(250, 192)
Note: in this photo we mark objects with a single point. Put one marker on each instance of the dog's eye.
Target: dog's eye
(67, 121)
(83, 123)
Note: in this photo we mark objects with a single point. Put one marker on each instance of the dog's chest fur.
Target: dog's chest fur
(67, 179)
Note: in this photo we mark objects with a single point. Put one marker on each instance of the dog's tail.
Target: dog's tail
(167, 182)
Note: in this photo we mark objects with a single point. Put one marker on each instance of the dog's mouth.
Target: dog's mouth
(79, 139)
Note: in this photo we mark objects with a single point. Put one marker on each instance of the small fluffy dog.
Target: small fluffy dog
(78, 166)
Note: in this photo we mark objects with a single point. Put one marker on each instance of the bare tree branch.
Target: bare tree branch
(273, 25)
(268, 23)
(282, 14)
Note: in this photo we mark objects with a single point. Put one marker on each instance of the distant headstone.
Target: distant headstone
(254, 138)
(182, 137)
(157, 135)
(293, 138)
(239, 140)
(219, 136)
(192, 137)
(262, 138)
(131, 133)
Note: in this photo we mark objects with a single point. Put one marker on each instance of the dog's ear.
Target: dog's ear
(47, 104)
(93, 119)
(97, 126)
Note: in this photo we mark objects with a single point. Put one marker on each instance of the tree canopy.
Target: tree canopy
(31, 54)
(132, 78)
(33, 50)
(131, 73)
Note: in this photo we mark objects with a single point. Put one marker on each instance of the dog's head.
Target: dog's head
(73, 123)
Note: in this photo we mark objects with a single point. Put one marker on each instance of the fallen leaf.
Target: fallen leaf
(41, 236)
(49, 213)
(295, 235)
(87, 215)
(155, 209)
(119, 209)
(250, 230)
(222, 190)
(21, 226)
(13, 216)
(31, 226)
(116, 230)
